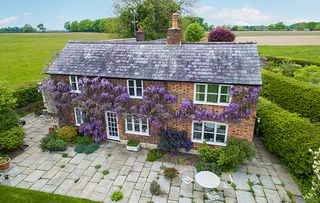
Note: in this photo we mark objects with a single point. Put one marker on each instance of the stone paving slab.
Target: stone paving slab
(263, 179)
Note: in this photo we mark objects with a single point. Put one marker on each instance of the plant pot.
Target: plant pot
(5, 165)
(133, 148)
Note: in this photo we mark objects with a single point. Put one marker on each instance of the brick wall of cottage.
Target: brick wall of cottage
(184, 91)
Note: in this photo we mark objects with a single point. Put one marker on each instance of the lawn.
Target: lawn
(15, 195)
(311, 53)
(23, 56)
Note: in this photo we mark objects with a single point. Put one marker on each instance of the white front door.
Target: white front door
(112, 125)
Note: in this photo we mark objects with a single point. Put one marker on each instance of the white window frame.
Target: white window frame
(135, 89)
(206, 94)
(215, 133)
(140, 127)
(76, 82)
(76, 116)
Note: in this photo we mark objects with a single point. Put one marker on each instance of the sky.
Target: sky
(54, 13)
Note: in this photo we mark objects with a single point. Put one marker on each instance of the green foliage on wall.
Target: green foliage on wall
(27, 94)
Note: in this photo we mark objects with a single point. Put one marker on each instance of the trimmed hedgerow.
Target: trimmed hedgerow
(292, 95)
(290, 137)
(27, 94)
(301, 62)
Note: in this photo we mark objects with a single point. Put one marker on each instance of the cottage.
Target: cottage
(203, 73)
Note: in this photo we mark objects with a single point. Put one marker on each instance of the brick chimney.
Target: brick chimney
(174, 33)
(139, 34)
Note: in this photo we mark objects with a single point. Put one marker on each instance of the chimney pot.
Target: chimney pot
(175, 19)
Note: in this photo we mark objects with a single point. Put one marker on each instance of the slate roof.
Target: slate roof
(223, 63)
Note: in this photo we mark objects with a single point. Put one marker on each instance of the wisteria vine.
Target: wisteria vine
(98, 95)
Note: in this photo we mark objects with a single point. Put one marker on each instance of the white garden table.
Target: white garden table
(207, 179)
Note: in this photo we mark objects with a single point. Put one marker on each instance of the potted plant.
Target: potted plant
(4, 162)
(133, 145)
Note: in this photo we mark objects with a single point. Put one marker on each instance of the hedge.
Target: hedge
(292, 95)
(301, 62)
(27, 94)
(290, 137)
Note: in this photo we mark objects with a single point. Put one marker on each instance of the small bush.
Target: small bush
(308, 74)
(285, 67)
(7, 99)
(27, 94)
(292, 94)
(290, 137)
(67, 133)
(133, 143)
(170, 172)
(98, 166)
(85, 140)
(229, 157)
(207, 166)
(12, 139)
(116, 196)
(105, 172)
(154, 154)
(65, 155)
(155, 188)
(172, 140)
(8, 119)
(194, 33)
(221, 35)
(87, 149)
(3, 158)
(51, 142)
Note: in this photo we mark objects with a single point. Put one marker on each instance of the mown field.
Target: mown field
(23, 56)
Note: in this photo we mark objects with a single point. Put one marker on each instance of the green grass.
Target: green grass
(311, 53)
(15, 195)
(23, 56)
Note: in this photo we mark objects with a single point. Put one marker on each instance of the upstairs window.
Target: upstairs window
(74, 83)
(135, 88)
(78, 116)
(212, 94)
(137, 125)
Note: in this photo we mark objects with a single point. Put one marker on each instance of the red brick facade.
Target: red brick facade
(184, 91)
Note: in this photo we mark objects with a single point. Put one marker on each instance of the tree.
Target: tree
(67, 26)
(86, 26)
(271, 27)
(194, 33)
(41, 27)
(96, 25)
(28, 28)
(108, 25)
(311, 26)
(235, 28)
(74, 27)
(280, 26)
(153, 15)
(221, 35)
(300, 26)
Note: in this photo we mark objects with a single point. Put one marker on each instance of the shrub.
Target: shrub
(207, 166)
(170, 172)
(229, 157)
(8, 119)
(285, 67)
(67, 133)
(301, 62)
(221, 35)
(116, 196)
(172, 140)
(12, 139)
(293, 95)
(3, 159)
(51, 142)
(290, 137)
(27, 94)
(154, 154)
(155, 188)
(194, 33)
(133, 143)
(87, 149)
(83, 140)
(308, 74)
(7, 99)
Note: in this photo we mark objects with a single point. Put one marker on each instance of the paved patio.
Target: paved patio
(263, 179)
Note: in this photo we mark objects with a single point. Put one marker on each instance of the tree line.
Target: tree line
(280, 26)
(27, 28)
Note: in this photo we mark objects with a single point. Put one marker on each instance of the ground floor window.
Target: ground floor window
(78, 116)
(209, 132)
(137, 125)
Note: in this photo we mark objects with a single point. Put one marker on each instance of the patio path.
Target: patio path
(129, 172)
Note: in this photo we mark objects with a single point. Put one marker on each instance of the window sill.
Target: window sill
(212, 104)
(135, 97)
(137, 133)
(78, 125)
(210, 143)
(75, 91)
